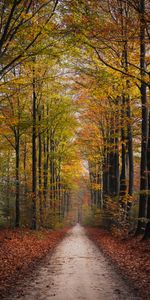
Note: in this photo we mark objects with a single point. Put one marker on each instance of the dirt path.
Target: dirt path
(77, 270)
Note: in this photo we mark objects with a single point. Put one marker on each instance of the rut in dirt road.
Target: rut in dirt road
(77, 270)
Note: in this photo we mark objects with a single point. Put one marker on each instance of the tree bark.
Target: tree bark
(144, 127)
(40, 170)
(24, 166)
(106, 172)
(147, 229)
(52, 171)
(114, 161)
(130, 156)
(34, 158)
(123, 184)
(17, 150)
(130, 152)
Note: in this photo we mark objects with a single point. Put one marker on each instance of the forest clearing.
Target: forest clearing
(75, 149)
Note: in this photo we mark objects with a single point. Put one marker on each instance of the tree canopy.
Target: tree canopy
(74, 113)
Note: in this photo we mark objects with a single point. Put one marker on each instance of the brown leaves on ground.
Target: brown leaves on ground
(132, 256)
(20, 249)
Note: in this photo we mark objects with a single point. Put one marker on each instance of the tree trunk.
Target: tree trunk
(45, 172)
(17, 150)
(130, 152)
(34, 159)
(91, 189)
(147, 229)
(8, 190)
(114, 161)
(130, 156)
(52, 171)
(127, 110)
(123, 185)
(144, 129)
(105, 173)
(116, 150)
(40, 170)
(24, 166)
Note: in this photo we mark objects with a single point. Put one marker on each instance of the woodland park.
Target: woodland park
(75, 135)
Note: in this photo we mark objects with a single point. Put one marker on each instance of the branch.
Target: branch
(8, 23)
(19, 56)
(13, 146)
(116, 69)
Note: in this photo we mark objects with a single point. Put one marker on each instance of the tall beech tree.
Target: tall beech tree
(143, 178)
(34, 154)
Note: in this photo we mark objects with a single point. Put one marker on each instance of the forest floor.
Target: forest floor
(131, 256)
(32, 267)
(20, 251)
(76, 270)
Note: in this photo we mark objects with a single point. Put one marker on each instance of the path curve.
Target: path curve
(77, 270)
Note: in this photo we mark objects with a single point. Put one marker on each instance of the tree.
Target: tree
(17, 38)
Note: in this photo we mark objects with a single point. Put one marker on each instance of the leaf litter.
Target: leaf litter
(131, 256)
(20, 251)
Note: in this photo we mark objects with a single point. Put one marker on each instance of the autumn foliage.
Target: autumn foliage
(20, 251)
(130, 256)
